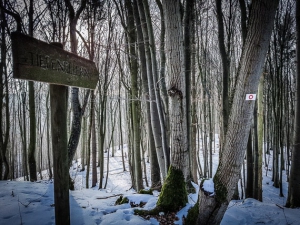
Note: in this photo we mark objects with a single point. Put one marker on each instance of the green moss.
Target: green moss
(192, 215)
(121, 200)
(140, 212)
(220, 190)
(143, 191)
(173, 195)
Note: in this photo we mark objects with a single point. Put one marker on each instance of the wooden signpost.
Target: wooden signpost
(39, 61)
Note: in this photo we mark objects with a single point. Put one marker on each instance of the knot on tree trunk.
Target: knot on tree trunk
(173, 91)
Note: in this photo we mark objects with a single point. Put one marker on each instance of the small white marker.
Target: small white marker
(250, 97)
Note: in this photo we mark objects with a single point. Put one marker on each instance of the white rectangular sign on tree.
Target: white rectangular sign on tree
(250, 97)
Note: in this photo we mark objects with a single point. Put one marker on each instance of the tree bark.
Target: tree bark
(94, 149)
(4, 125)
(76, 106)
(249, 154)
(154, 165)
(32, 113)
(176, 84)
(135, 104)
(158, 120)
(293, 199)
(250, 70)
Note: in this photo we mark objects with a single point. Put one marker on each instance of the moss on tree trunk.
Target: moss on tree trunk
(173, 195)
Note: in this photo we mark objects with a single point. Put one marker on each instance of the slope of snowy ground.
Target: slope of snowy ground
(31, 203)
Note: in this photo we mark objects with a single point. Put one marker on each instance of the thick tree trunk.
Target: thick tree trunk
(173, 193)
(250, 70)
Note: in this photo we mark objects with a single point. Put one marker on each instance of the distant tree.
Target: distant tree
(77, 108)
(148, 94)
(32, 112)
(4, 99)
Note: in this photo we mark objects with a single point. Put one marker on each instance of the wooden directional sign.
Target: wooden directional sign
(39, 61)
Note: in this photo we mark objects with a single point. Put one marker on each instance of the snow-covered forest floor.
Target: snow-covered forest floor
(32, 203)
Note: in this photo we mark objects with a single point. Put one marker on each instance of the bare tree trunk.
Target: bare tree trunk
(4, 125)
(225, 66)
(173, 194)
(211, 210)
(149, 97)
(88, 155)
(83, 144)
(156, 123)
(158, 115)
(293, 199)
(48, 138)
(260, 127)
(76, 106)
(25, 164)
(135, 105)
(249, 184)
(94, 150)
(32, 114)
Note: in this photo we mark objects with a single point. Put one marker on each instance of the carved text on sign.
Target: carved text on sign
(46, 62)
(39, 61)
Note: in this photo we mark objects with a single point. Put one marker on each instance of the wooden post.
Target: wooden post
(39, 61)
(58, 104)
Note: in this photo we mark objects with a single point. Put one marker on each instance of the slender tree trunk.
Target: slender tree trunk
(32, 114)
(135, 105)
(88, 155)
(225, 66)
(48, 138)
(256, 156)
(83, 144)
(77, 110)
(293, 199)
(4, 125)
(249, 186)
(155, 168)
(163, 118)
(260, 127)
(156, 123)
(25, 164)
(94, 150)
